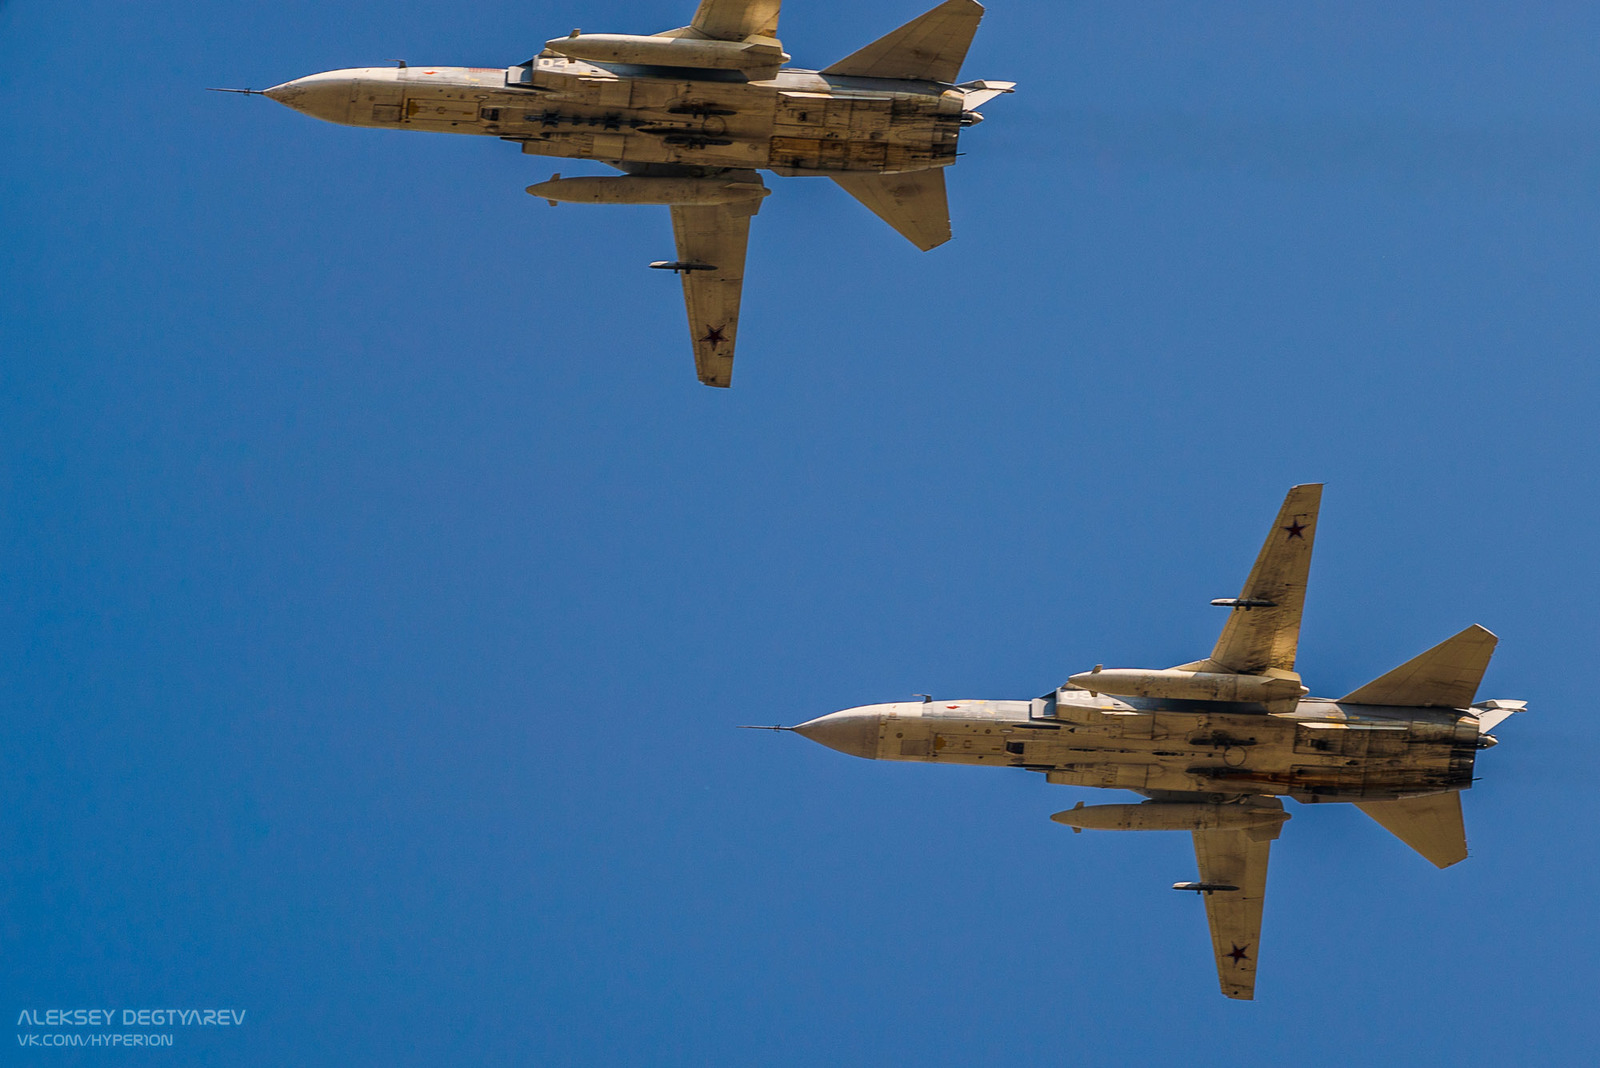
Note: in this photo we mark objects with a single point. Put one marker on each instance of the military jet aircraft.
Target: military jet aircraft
(690, 115)
(1215, 743)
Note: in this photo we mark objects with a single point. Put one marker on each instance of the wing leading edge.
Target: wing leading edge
(734, 20)
(712, 240)
(1266, 635)
(1236, 858)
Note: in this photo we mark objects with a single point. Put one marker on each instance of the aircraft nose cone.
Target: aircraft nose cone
(289, 94)
(849, 731)
(322, 96)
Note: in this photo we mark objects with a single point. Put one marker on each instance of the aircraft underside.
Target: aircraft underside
(798, 122)
(1317, 753)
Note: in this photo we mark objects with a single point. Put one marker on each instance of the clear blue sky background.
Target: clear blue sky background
(380, 589)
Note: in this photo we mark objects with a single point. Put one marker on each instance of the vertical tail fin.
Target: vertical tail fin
(929, 48)
(1446, 676)
(1431, 825)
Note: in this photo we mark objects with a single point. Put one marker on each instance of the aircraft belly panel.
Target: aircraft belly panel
(380, 103)
(1247, 754)
(968, 747)
(605, 92)
(609, 145)
(818, 131)
(1107, 775)
(440, 111)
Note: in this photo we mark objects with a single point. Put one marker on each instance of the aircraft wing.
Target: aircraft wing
(1235, 858)
(1266, 635)
(734, 20)
(712, 239)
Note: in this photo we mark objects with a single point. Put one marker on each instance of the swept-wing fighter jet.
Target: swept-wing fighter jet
(1215, 743)
(690, 115)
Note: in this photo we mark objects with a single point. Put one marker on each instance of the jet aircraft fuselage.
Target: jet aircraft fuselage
(797, 122)
(1320, 751)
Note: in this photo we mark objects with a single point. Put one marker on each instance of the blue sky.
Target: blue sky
(380, 588)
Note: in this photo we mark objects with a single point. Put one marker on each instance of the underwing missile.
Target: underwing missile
(681, 266)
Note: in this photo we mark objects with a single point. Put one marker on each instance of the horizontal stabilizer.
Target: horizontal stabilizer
(913, 203)
(1431, 825)
(931, 47)
(977, 94)
(1493, 713)
(1446, 676)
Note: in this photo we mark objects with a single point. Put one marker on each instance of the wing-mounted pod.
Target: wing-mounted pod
(1261, 821)
(730, 35)
(673, 190)
(1186, 684)
(756, 58)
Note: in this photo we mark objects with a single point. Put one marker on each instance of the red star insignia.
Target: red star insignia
(714, 336)
(1294, 530)
(1238, 955)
